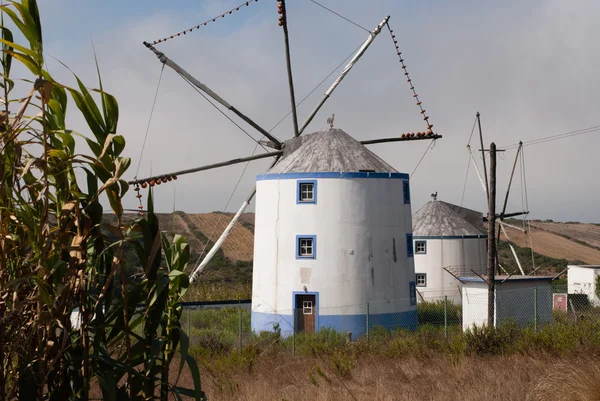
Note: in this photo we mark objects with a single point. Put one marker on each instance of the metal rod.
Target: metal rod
(446, 317)
(487, 186)
(167, 61)
(505, 224)
(534, 270)
(535, 312)
(209, 166)
(559, 274)
(454, 275)
(480, 276)
(345, 71)
(491, 235)
(399, 139)
(289, 66)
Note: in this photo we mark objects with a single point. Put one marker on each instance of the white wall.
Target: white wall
(456, 254)
(523, 301)
(582, 280)
(356, 221)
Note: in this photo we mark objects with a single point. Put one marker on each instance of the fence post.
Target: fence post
(446, 317)
(367, 321)
(294, 332)
(535, 313)
(189, 323)
(240, 323)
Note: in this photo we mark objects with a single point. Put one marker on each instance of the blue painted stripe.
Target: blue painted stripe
(287, 176)
(356, 324)
(448, 236)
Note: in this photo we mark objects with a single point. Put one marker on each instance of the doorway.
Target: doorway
(306, 313)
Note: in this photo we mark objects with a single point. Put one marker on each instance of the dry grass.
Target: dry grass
(588, 233)
(516, 377)
(554, 246)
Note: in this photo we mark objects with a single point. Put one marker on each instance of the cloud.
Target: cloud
(529, 68)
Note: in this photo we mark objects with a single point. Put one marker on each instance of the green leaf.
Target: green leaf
(6, 57)
(114, 199)
(28, 62)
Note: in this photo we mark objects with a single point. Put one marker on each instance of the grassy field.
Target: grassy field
(557, 362)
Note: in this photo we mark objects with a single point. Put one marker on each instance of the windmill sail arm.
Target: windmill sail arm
(345, 72)
(218, 244)
(167, 61)
(208, 167)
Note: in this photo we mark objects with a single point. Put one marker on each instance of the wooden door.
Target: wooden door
(306, 312)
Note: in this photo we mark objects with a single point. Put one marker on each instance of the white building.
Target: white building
(525, 300)
(332, 234)
(451, 237)
(584, 279)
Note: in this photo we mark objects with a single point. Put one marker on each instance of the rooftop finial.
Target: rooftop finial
(330, 120)
(434, 196)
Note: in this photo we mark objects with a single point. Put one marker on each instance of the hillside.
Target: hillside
(229, 275)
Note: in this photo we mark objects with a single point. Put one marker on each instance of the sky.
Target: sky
(529, 67)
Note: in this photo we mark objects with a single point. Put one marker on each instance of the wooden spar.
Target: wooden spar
(505, 215)
(508, 188)
(225, 234)
(345, 71)
(167, 61)
(208, 167)
(399, 139)
(288, 62)
(503, 223)
(511, 177)
(487, 186)
(516, 258)
(218, 244)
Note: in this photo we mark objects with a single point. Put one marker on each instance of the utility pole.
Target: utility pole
(492, 237)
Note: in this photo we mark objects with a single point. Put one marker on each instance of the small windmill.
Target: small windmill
(278, 145)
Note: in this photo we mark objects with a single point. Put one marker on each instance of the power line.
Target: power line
(341, 16)
(555, 137)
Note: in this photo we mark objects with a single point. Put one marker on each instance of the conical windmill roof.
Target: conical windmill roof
(441, 219)
(330, 150)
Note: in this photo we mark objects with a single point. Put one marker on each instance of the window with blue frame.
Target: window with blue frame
(420, 247)
(406, 190)
(409, 245)
(306, 191)
(306, 246)
(413, 292)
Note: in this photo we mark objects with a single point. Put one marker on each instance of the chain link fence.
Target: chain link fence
(230, 327)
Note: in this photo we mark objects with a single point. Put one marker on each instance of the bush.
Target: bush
(437, 312)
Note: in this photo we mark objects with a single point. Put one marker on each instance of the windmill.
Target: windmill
(281, 148)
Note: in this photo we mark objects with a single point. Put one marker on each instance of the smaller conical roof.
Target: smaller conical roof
(330, 150)
(441, 219)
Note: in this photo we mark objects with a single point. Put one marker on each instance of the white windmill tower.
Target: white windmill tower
(333, 221)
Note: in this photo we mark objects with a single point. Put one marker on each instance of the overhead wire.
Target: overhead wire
(468, 164)
(431, 146)
(554, 137)
(223, 113)
(149, 120)
(340, 15)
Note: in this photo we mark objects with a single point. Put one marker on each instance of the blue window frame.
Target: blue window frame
(420, 247)
(306, 246)
(413, 292)
(406, 191)
(306, 191)
(409, 245)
